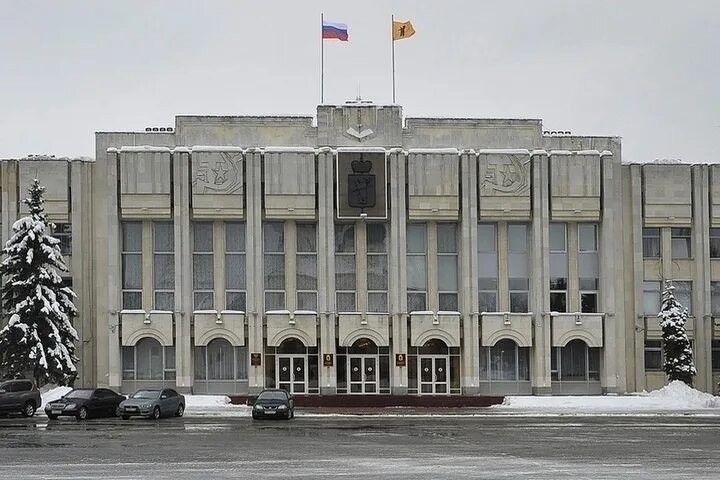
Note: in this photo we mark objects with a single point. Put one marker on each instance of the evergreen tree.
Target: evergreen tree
(678, 354)
(39, 339)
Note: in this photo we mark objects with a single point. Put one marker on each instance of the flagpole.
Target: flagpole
(392, 41)
(322, 63)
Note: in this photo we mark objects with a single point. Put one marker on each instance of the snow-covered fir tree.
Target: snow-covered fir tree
(676, 344)
(39, 339)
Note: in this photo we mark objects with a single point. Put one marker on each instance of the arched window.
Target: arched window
(292, 346)
(433, 346)
(363, 346)
(219, 360)
(575, 362)
(505, 361)
(148, 360)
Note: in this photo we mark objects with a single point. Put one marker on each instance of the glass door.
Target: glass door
(292, 373)
(433, 375)
(362, 372)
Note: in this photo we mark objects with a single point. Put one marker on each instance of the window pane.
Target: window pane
(202, 237)
(344, 238)
(588, 302)
(234, 237)
(306, 272)
(200, 363)
(651, 298)
(203, 301)
(714, 247)
(132, 270)
(235, 271)
(377, 302)
(487, 284)
(416, 273)
(164, 237)
(164, 271)
(557, 302)
(573, 365)
(587, 237)
(274, 272)
(274, 301)
(307, 301)
(306, 238)
(447, 273)
(447, 238)
(377, 274)
(376, 238)
(165, 301)
(345, 272)
(715, 298)
(203, 272)
(235, 301)
(557, 237)
(519, 302)
(273, 237)
(683, 294)
(132, 300)
(488, 301)
(681, 248)
(132, 237)
(448, 302)
(517, 238)
(503, 356)
(416, 238)
(416, 302)
(487, 238)
(345, 302)
(220, 360)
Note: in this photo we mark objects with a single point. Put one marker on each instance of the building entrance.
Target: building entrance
(292, 373)
(433, 375)
(362, 373)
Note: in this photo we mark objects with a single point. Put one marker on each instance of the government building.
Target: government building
(361, 252)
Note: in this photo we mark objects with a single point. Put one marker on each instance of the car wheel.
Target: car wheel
(126, 417)
(52, 417)
(156, 413)
(180, 411)
(28, 409)
(82, 413)
(255, 417)
(118, 412)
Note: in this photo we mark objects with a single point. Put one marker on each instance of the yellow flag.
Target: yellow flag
(402, 30)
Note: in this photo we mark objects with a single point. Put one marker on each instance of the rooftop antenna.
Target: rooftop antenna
(358, 98)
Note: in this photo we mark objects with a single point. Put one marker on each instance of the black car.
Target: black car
(19, 396)
(83, 403)
(274, 403)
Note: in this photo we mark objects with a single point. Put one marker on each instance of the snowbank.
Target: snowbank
(50, 393)
(675, 396)
(205, 401)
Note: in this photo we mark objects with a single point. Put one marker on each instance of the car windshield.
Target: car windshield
(271, 396)
(79, 394)
(146, 394)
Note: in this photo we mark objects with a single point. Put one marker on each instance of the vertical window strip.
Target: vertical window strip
(376, 239)
(447, 267)
(416, 267)
(203, 266)
(274, 265)
(132, 270)
(518, 268)
(163, 266)
(235, 267)
(487, 267)
(306, 261)
(345, 268)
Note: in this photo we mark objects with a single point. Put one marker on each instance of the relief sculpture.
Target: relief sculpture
(218, 173)
(507, 178)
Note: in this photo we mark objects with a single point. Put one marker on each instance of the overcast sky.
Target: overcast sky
(646, 70)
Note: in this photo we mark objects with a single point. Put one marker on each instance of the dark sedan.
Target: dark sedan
(83, 403)
(274, 403)
(153, 403)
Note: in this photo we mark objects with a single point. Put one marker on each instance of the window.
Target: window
(306, 264)
(575, 362)
(220, 361)
(505, 361)
(683, 294)
(651, 242)
(377, 267)
(164, 266)
(589, 295)
(203, 266)
(652, 298)
(558, 294)
(518, 272)
(447, 267)
(235, 287)
(274, 265)
(716, 355)
(588, 268)
(557, 237)
(132, 270)
(63, 232)
(487, 267)
(681, 242)
(587, 237)
(148, 360)
(715, 299)
(345, 272)
(715, 243)
(416, 267)
(653, 355)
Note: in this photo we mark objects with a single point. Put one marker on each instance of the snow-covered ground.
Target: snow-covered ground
(673, 397)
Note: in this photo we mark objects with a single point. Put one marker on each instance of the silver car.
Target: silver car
(153, 403)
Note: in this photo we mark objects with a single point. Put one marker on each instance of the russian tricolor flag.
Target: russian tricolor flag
(337, 31)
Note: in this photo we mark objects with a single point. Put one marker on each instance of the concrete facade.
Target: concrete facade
(221, 256)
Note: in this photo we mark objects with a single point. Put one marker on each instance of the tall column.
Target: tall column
(540, 288)
(254, 254)
(701, 280)
(638, 267)
(326, 269)
(183, 271)
(468, 274)
(108, 337)
(397, 271)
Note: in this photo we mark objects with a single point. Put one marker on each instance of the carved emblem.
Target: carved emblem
(218, 173)
(361, 185)
(359, 123)
(507, 178)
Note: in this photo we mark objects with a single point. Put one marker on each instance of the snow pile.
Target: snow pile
(205, 401)
(50, 393)
(675, 396)
(214, 405)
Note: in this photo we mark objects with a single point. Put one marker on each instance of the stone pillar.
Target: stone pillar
(540, 288)
(254, 254)
(397, 295)
(701, 280)
(638, 270)
(326, 270)
(108, 337)
(469, 307)
(183, 271)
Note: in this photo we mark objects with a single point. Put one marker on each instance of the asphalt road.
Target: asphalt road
(553, 447)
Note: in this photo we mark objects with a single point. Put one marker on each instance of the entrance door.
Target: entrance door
(362, 372)
(433, 374)
(292, 373)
